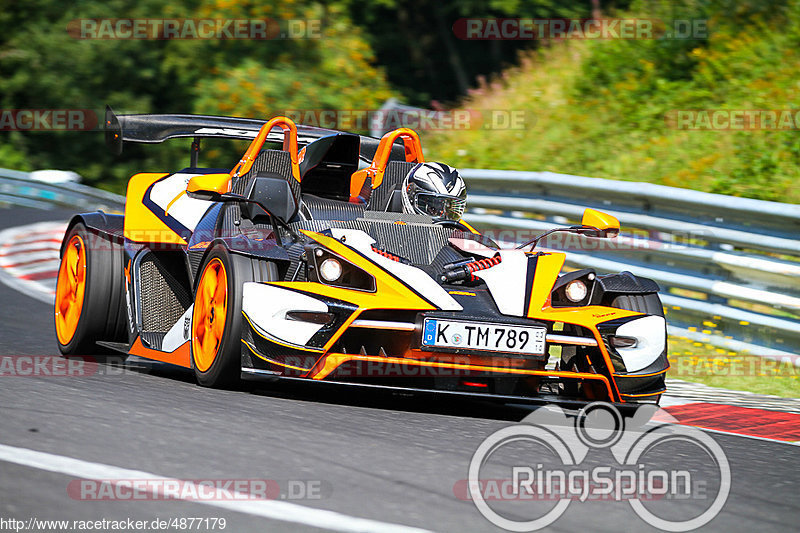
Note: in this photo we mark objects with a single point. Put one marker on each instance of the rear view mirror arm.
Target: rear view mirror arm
(589, 231)
(276, 221)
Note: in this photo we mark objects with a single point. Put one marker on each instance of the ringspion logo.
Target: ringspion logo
(524, 477)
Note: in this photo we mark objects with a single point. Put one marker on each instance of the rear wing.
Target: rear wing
(120, 129)
(146, 128)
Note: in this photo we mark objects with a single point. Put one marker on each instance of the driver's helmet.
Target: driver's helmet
(436, 190)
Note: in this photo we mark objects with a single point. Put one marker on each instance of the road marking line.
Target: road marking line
(272, 509)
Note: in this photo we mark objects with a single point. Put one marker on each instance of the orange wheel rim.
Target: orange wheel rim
(70, 289)
(210, 312)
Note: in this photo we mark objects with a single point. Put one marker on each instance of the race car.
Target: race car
(301, 263)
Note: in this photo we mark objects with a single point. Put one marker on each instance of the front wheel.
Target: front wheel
(573, 358)
(215, 342)
(642, 303)
(217, 315)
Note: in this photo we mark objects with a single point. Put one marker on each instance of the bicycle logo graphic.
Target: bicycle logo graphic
(599, 426)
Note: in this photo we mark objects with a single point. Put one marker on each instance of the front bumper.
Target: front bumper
(380, 347)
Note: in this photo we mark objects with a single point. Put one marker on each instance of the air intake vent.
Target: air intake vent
(164, 298)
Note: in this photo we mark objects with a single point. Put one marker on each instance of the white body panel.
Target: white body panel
(187, 211)
(266, 307)
(651, 335)
(506, 282)
(179, 333)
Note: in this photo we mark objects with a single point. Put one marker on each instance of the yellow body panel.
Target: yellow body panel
(141, 224)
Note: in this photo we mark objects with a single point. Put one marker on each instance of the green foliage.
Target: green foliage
(716, 367)
(599, 106)
(42, 66)
(423, 58)
(603, 107)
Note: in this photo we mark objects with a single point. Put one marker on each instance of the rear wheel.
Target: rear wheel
(89, 304)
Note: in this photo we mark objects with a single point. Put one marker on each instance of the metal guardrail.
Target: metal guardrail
(18, 188)
(729, 267)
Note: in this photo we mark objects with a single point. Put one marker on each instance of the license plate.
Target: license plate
(456, 334)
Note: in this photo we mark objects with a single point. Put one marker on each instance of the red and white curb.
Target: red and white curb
(750, 422)
(744, 414)
(29, 258)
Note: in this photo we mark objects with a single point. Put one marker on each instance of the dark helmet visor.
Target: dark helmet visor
(440, 207)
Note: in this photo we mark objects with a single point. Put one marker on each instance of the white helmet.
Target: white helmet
(436, 190)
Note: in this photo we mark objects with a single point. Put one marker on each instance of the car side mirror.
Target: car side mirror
(599, 224)
(274, 193)
(209, 186)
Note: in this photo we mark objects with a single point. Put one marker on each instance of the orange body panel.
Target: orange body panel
(216, 183)
(181, 356)
(332, 361)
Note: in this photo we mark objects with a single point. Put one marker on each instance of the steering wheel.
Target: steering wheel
(453, 224)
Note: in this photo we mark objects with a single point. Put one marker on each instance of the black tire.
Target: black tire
(103, 315)
(225, 370)
(570, 387)
(641, 303)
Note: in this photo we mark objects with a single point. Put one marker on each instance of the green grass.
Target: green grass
(602, 108)
(716, 367)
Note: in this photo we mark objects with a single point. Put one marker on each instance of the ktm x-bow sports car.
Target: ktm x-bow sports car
(299, 263)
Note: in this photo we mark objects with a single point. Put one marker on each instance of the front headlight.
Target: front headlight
(576, 290)
(330, 270)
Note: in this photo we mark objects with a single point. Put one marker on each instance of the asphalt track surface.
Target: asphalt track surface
(383, 457)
